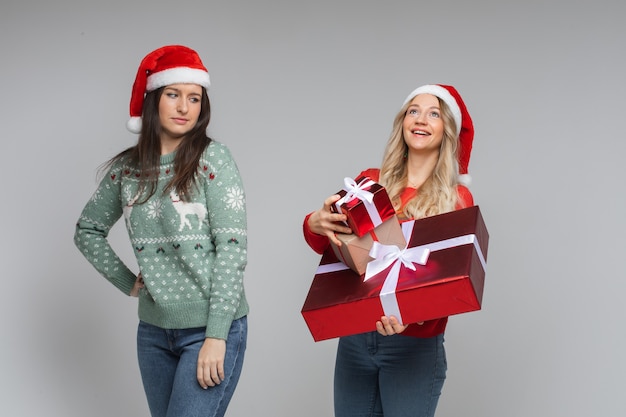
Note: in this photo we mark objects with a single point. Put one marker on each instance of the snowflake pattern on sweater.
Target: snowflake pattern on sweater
(192, 254)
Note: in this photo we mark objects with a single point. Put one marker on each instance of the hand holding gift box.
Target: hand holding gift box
(365, 203)
(340, 302)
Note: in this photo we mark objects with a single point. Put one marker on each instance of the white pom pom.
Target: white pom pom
(464, 179)
(134, 124)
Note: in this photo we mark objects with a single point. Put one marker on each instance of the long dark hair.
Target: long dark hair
(145, 156)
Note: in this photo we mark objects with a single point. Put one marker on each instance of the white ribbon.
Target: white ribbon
(334, 267)
(353, 191)
(470, 239)
(385, 255)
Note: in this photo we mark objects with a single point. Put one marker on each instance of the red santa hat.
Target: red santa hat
(172, 64)
(462, 119)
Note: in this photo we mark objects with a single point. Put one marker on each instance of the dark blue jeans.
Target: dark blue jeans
(168, 361)
(390, 376)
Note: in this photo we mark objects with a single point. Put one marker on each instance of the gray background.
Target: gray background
(304, 94)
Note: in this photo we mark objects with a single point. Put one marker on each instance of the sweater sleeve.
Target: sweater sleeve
(465, 197)
(101, 212)
(318, 243)
(228, 227)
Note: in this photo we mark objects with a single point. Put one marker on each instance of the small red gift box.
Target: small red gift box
(341, 302)
(365, 203)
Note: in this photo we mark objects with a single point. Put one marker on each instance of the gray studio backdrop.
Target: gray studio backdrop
(304, 94)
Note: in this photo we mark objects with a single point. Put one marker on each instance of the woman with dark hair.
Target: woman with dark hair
(183, 201)
(399, 370)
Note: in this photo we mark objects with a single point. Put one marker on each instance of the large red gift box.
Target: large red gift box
(365, 203)
(453, 248)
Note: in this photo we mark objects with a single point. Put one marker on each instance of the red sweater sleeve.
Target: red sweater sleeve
(465, 197)
(318, 243)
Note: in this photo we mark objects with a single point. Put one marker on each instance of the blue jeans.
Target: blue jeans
(390, 376)
(168, 361)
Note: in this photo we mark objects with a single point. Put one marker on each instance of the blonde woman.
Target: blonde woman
(399, 370)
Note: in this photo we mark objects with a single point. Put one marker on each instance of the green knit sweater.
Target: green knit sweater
(192, 255)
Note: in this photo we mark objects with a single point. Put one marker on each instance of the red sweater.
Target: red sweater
(320, 243)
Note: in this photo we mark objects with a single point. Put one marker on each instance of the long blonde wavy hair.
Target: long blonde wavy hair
(438, 194)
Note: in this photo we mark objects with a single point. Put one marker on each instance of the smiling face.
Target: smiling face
(179, 109)
(423, 124)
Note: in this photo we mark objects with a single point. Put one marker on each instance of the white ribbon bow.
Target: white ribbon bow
(354, 191)
(385, 255)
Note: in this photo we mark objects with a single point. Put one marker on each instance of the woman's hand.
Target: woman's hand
(210, 370)
(134, 292)
(325, 222)
(388, 326)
